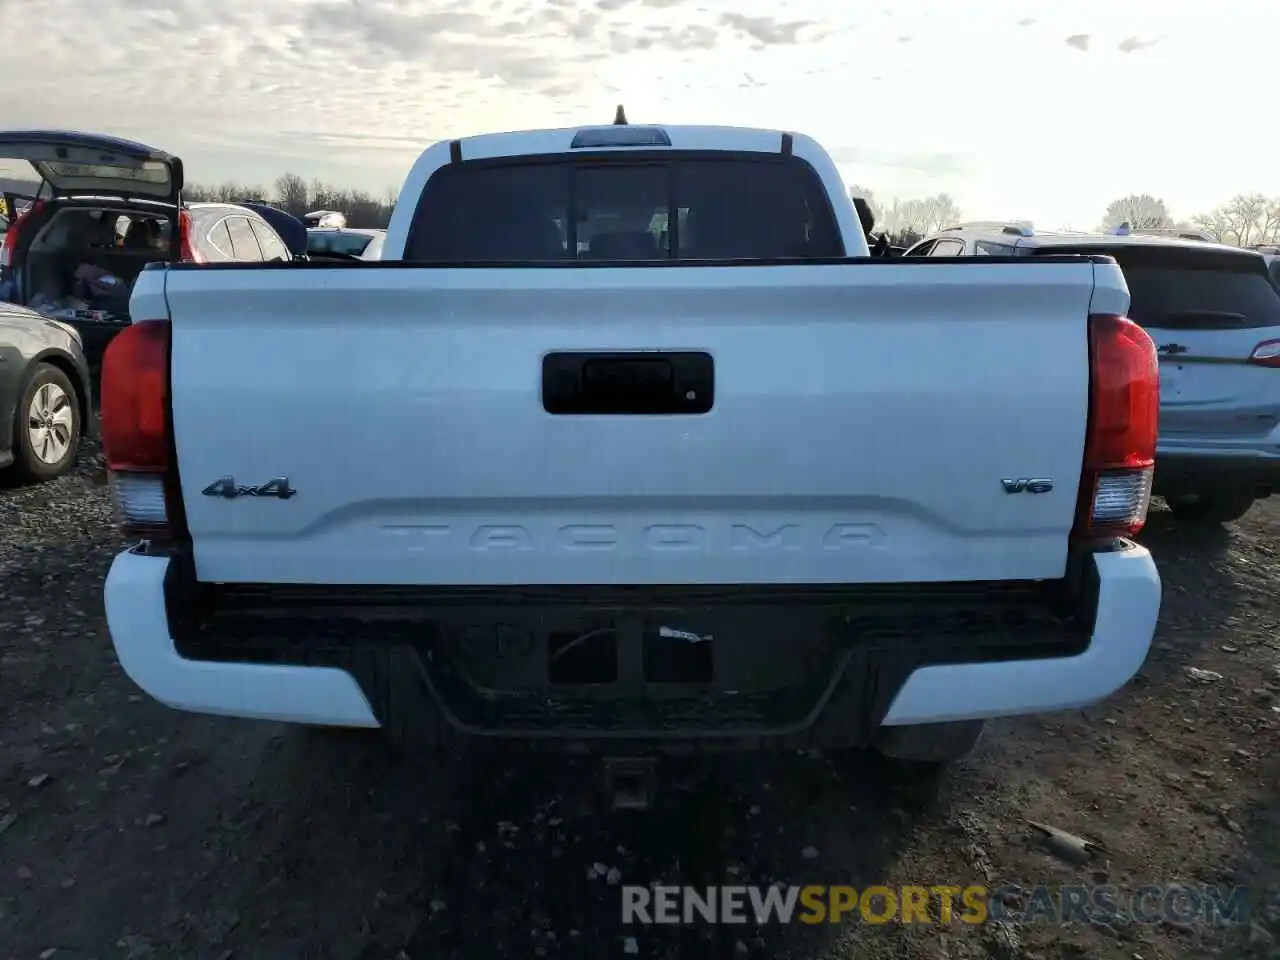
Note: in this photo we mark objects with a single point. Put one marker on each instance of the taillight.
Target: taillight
(187, 251)
(136, 434)
(1266, 354)
(1124, 419)
(10, 243)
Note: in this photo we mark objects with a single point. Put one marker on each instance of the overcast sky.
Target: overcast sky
(1038, 109)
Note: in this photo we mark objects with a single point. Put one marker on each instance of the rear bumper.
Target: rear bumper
(139, 627)
(1128, 607)
(864, 691)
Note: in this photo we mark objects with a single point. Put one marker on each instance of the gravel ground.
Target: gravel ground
(130, 830)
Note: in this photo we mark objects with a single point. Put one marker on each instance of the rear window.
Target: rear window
(149, 172)
(1193, 289)
(352, 244)
(988, 248)
(689, 207)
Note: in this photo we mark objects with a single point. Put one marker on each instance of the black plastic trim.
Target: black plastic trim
(788, 144)
(306, 599)
(175, 507)
(875, 637)
(621, 383)
(455, 151)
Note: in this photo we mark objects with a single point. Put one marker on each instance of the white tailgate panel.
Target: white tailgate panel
(864, 418)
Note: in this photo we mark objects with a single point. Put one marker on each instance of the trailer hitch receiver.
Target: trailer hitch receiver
(629, 782)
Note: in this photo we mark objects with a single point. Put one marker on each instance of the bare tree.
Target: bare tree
(199, 193)
(902, 218)
(1140, 210)
(1244, 220)
(294, 195)
(937, 212)
(231, 192)
(1271, 222)
(291, 194)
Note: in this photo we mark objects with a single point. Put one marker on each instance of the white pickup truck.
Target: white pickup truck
(628, 441)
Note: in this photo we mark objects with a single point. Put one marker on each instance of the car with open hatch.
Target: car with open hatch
(105, 208)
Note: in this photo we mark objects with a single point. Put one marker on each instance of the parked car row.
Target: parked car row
(1214, 312)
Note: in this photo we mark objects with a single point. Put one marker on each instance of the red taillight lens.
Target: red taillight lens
(1124, 422)
(186, 249)
(135, 430)
(135, 390)
(11, 236)
(1266, 354)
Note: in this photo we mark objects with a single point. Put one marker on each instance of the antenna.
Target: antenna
(620, 118)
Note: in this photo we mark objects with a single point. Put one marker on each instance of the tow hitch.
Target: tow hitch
(629, 782)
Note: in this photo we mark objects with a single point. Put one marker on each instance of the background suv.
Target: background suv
(1214, 313)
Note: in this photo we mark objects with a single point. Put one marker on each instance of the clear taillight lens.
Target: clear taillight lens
(139, 501)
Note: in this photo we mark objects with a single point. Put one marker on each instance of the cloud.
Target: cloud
(938, 164)
(612, 5)
(336, 49)
(349, 79)
(247, 89)
(1079, 41)
(1026, 22)
(1130, 44)
(766, 30)
(692, 36)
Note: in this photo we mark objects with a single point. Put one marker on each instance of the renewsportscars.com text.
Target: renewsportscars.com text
(1179, 904)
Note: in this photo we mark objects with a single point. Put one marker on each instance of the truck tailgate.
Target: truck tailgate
(864, 418)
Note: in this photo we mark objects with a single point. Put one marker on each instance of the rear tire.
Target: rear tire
(1210, 508)
(46, 425)
(929, 744)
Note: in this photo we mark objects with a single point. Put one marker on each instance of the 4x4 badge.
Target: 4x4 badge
(228, 489)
